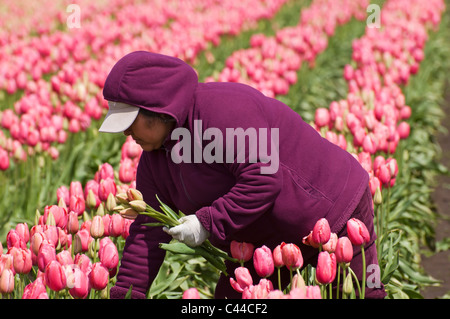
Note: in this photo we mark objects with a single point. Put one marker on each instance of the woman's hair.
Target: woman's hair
(154, 115)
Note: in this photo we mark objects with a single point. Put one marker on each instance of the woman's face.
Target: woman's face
(149, 133)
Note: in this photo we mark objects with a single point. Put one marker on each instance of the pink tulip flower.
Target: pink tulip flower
(263, 261)
(47, 254)
(326, 267)
(6, 281)
(191, 293)
(35, 290)
(55, 278)
(357, 232)
(292, 256)
(330, 246)
(22, 260)
(106, 187)
(321, 231)
(241, 251)
(277, 257)
(73, 224)
(344, 250)
(23, 231)
(243, 279)
(97, 228)
(79, 287)
(109, 256)
(99, 276)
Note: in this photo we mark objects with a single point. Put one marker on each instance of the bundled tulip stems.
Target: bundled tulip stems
(132, 204)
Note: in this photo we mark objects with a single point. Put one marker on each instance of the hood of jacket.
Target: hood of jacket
(153, 81)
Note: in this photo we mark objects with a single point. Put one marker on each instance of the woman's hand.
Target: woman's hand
(191, 231)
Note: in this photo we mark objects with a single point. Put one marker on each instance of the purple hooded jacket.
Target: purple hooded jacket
(233, 200)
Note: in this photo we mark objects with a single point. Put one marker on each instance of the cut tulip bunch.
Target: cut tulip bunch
(131, 204)
(334, 254)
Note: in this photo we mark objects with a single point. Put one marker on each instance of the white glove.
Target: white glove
(190, 231)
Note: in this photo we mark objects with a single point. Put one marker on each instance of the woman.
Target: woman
(242, 166)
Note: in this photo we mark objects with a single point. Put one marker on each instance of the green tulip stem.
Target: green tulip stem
(364, 273)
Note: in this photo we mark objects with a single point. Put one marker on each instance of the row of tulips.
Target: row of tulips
(271, 63)
(48, 111)
(74, 247)
(335, 255)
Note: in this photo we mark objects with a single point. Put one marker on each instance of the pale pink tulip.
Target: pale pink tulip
(292, 256)
(6, 281)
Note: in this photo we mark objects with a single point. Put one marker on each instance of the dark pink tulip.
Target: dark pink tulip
(263, 261)
(292, 256)
(326, 267)
(83, 262)
(99, 276)
(63, 193)
(4, 159)
(77, 204)
(344, 250)
(127, 171)
(321, 231)
(241, 251)
(109, 256)
(106, 187)
(59, 214)
(47, 253)
(357, 232)
(309, 241)
(13, 239)
(55, 278)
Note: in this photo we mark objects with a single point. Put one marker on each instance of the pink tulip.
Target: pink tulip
(309, 241)
(64, 257)
(59, 214)
(344, 250)
(261, 290)
(77, 204)
(97, 228)
(55, 278)
(321, 231)
(106, 187)
(116, 225)
(13, 239)
(263, 261)
(79, 287)
(127, 171)
(322, 117)
(83, 262)
(330, 246)
(191, 293)
(22, 260)
(35, 290)
(47, 254)
(277, 257)
(4, 159)
(99, 276)
(313, 292)
(106, 171)
(81, 240)
(36, 241)
(72, 223)
(243, 279)
(241, 251)
(51, 234)
(109, 256)
(292, 256)
(23, 231)
(326, 267)
(6, 281)
(357, 232)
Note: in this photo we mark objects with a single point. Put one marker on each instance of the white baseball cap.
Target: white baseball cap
(120, 116)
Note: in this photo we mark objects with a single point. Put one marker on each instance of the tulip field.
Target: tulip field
(370, 76)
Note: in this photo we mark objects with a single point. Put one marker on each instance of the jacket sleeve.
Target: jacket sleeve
(141, 257)
(255, 189)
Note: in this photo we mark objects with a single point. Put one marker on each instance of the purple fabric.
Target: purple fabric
(233, 201)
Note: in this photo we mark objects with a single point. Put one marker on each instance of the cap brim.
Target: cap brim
(120, 116)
